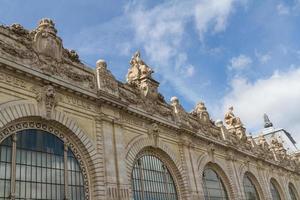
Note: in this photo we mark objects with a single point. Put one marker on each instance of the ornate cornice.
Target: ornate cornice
(40, 55)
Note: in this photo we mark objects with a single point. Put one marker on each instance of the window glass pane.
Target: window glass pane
(74, 177)
(152, 180)
(249, 189)
(213, 186)
(292, 192)
(274, 192)
(36, 178)
(5, 166)
(39, 168)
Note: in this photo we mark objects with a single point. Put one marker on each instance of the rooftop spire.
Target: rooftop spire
(267, 121)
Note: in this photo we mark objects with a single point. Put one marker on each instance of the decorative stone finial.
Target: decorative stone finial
(101, 64)
(106, 81)
(180, 115)
(47, 25)
(174, 101)
(267, 121)
(201, 112)
(219, 123)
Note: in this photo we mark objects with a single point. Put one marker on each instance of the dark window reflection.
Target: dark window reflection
(213, 186)
(292, 192)
(5, 168)
(39, 168)
(250, 190)
(75, 178)
(274, 191)
(151, 180)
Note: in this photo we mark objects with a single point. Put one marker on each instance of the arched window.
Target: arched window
(152, 180)
(274, 191)
(249, 188)
(34, 165)
(213, 186)
(292, 192)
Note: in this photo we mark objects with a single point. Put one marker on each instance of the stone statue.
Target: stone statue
(231, 120)
(278, 148)
(201, 112)
(267, 121)
(262, 142)
(47, 100)
(276, 144)
(138, 70)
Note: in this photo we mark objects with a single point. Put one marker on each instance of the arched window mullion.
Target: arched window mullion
(140, 164)
(250, 190)
(274, 191)
(166, 181)
(13, 167)
(66, 177)
(292, 192)
(154, 180)
(38, 166)
(215, 189)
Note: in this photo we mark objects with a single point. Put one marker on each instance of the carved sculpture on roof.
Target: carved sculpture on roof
(72, 54)
(180, 115)
(295, 161)
(231, 120)
(201, 113)
(18, 29)
(42, 49)
(45, 40)
(262, 143)
(277, 147)
(142, 90)
(138, 70)
(106, 81)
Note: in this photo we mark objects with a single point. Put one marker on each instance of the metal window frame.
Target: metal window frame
(67, 195)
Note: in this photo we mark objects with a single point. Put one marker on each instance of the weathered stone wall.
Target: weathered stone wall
(109, 124)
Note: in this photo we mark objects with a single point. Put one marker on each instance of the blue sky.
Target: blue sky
(244, 53)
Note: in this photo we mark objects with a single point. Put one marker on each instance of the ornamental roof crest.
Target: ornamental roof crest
(138, 70)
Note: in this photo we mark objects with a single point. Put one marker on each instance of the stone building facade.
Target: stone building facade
(68, 131)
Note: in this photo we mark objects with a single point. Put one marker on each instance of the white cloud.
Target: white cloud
(212, 14)
(278, 96)
(160, 30)
(240, 62)
(263, 58)
(282, 9)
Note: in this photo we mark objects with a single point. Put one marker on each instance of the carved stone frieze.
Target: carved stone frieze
(42, 49)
